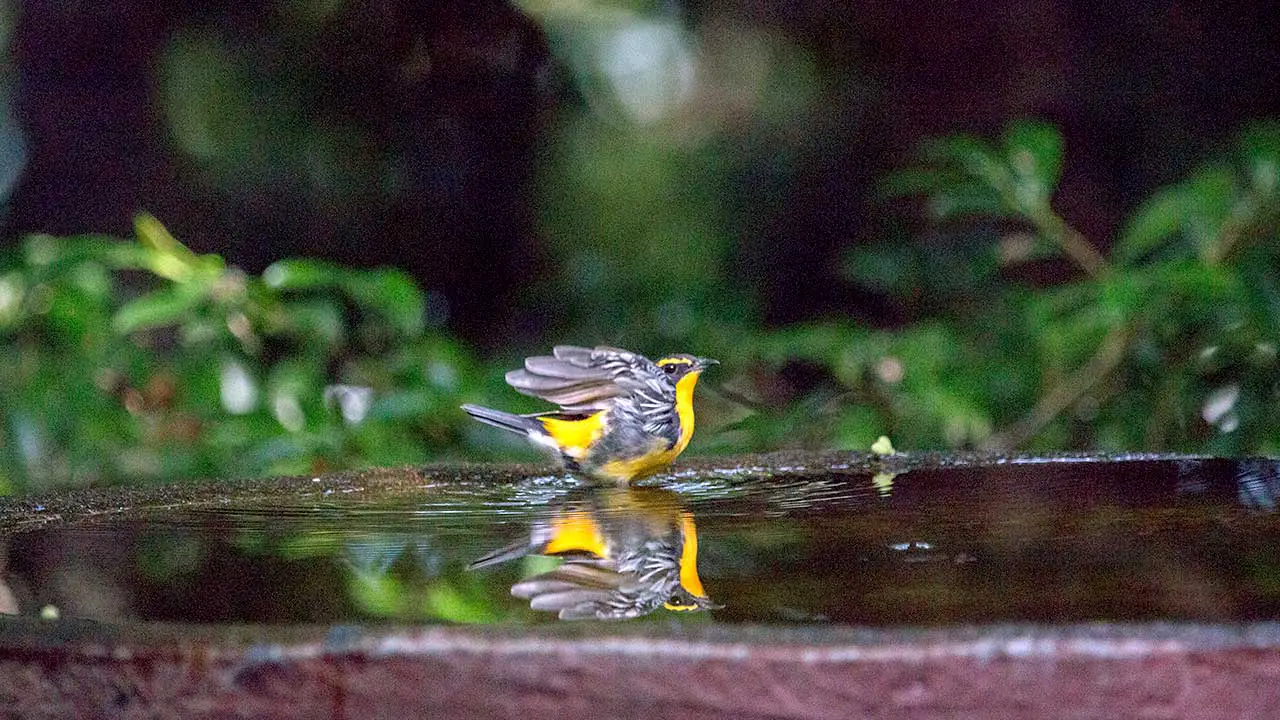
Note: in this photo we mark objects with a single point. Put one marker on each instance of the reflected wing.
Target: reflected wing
(585, 591)
(585, 380)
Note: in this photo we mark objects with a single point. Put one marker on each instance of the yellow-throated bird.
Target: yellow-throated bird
(621, 417)
(626, 551)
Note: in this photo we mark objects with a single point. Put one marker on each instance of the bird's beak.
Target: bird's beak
(705, 362)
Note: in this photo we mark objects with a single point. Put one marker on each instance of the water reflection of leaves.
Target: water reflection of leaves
(451, 597)
(625, 552)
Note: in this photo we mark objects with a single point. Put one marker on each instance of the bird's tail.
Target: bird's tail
(519, 424)
(518, 549)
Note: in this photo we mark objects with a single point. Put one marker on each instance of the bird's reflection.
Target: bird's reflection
(625, 552)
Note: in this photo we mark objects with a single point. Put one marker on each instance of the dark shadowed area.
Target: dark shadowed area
(417, 134)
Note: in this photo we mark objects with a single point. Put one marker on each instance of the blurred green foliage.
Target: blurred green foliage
(641, 191)
(1168, 341)
(138, 360)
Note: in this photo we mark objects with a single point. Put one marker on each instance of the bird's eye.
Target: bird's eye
(669, 368)
(676, 601)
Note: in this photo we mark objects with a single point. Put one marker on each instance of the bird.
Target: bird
(622, 417)
(626, 552)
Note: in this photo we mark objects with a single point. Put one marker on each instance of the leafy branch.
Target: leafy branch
(1192, 267)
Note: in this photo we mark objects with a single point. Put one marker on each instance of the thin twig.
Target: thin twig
(1246, 221)
(1109, 354)
(1072, 242)
(1075, 244)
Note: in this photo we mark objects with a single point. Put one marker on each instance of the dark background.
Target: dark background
(451, 106)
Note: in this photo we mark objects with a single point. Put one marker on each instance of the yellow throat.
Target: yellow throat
(631, 469)
(684, 410)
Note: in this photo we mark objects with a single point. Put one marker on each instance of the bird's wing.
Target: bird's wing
(650, 400)
(585, 380)
(578, 591)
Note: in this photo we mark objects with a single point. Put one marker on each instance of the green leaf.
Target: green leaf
(965, 200)
(883, 268)
(952, 192)
(972, 155)
(1068, 322)
(166, 306)
(1260, 289)
(13, 288)
(1034, 150)
(1121, 296)
(391, 293)
(1157, 220)
(1209, 196)
(211, 109)
(304, 274)
(319, 319)
(857, 427)
(54, 255)
(1205, 283)
(169, 258)
(924, 351)
(1260, 143)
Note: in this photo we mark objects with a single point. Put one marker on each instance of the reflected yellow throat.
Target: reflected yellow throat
(689, 556)
(660, 456)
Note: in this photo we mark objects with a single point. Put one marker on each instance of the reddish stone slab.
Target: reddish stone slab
(1155, 671)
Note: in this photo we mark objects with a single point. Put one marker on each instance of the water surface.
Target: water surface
(1054, 541)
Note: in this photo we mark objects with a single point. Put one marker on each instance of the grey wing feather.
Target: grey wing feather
(581, 379)
(552, 367)
(653, 401)
(580, 591)
(572, 353)
(539, 585)
(597, 575)
(562, 600)
(595, 355)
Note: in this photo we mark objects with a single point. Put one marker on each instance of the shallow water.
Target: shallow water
(1059, 541)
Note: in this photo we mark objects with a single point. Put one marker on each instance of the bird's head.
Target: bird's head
(681, 364)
